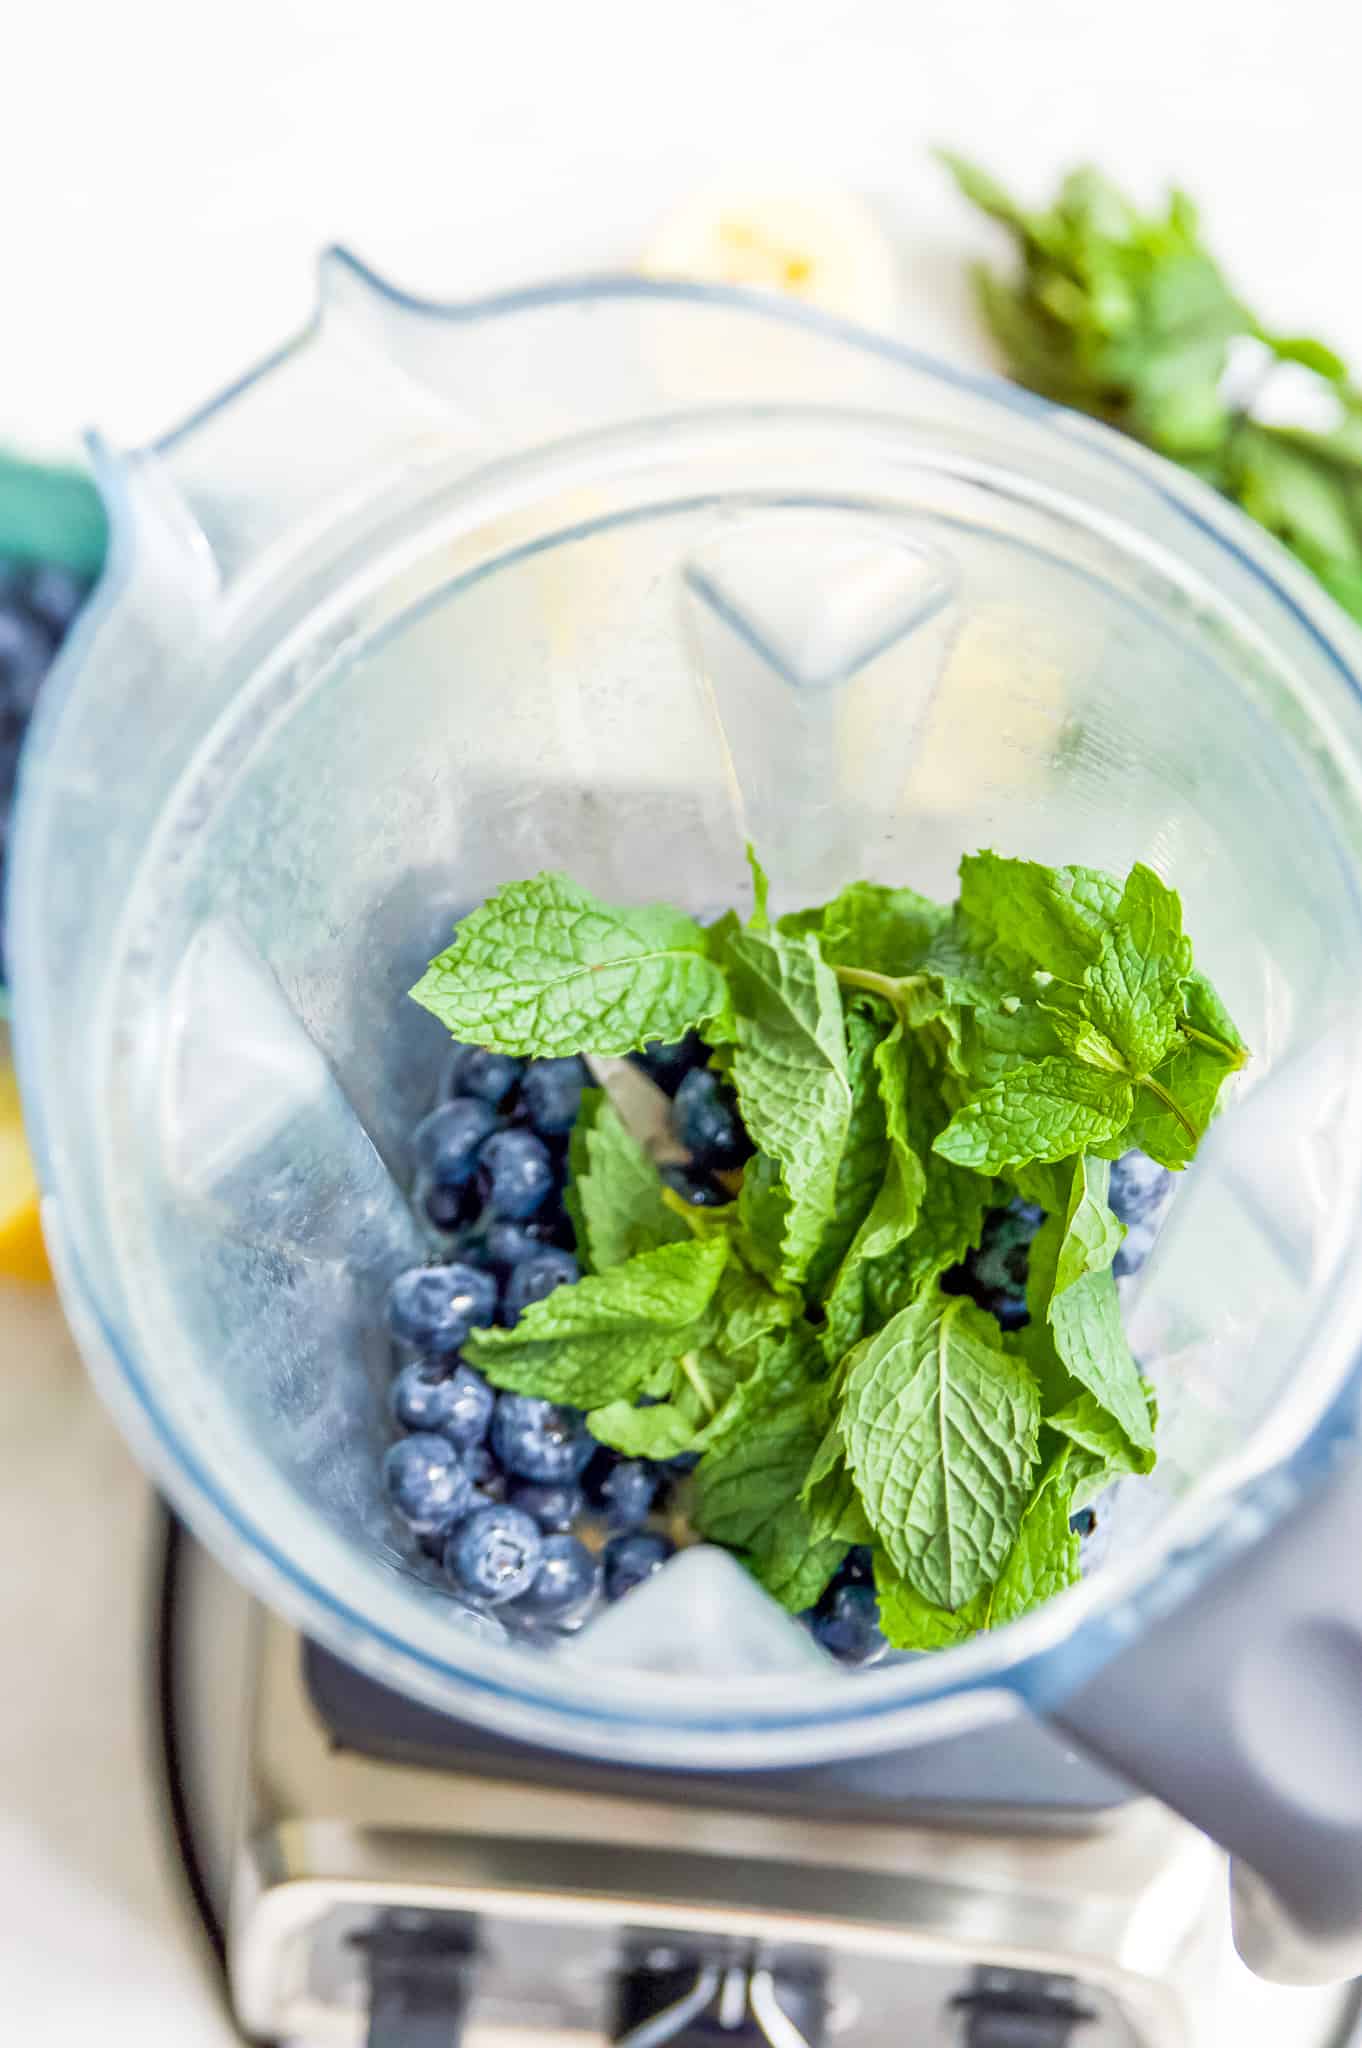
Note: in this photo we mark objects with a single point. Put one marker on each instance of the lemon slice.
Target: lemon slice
(23, 1256)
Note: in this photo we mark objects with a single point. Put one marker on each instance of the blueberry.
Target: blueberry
(1003, 1257)
(694, 1188)
(555, 1508)
(668, 1065)
(54, 594)
(446, 1143)
(1084, 1522)
(25, 658)
(495, 1553)
(847, 1625)
(551, 1095)
(566, 1583)
(858, 1566)
(489, 1075)
(515, 1174)
(444, 1208)
(435, 1307)
(534, 1279)
(631, 1559)
(627, 1494)
(457, 1405)
(426, 1482)
(1139, 1187)
(539, 1439)
(506, 1243)
(706, 1122)
(484, 1470)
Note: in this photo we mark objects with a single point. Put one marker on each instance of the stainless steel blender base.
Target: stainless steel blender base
(306, 1849)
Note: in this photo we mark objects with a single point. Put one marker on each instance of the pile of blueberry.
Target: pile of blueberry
(524, 1511)
(38, 602)
(522, 1508)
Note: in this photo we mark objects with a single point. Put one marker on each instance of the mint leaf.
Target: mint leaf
(1044, 1558)
(865, 1151)
(760, 920)
(912, 1623)
(789, 1066)
(602, 1338)
(747, 1484)
(614, 1194)
(1209, 1053)
(1040, 1110)
(871, 926)
(1054, 918)
(544, 968)
(1092, 1233)
(940, 1430)
(1134, 987)
(1101, 1449)
(1090, 1342)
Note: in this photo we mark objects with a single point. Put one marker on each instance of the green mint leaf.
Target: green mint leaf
(1090, 1342)
(1134, 987)
(602, 1338)
(1190, 1085)
(1055, 918)
(544, 968)
(865, 1152)
(661, 1432)
(747, 1484)
(1041, 1110)
(789, 1066)
(1044, 1558)
(912, 1623)
(870, 926)
(614, 1195)
(1092, 1234)
(1046, 1185)
(1101, 1449)
(760, 920)
(940, 1430)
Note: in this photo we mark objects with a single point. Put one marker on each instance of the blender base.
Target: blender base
(334, 1824)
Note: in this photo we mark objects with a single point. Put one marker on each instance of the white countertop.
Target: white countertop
(179, 169)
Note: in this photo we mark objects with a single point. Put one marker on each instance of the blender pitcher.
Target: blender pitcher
(613, 576)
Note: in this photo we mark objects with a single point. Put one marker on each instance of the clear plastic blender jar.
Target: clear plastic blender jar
(612, 577)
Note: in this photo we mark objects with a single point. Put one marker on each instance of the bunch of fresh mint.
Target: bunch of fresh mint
(1128, 317)
(902, 1068)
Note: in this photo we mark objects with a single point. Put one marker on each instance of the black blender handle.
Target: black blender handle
(1242, 1710)
(420, 1978)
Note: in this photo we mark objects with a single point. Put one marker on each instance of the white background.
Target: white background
(169, 172)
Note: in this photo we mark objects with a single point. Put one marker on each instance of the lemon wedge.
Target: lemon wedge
(23, 1256)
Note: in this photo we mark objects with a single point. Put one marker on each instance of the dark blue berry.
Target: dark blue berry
(627, 1493)
(539, 1439)
(858, 1566)
(564, 1586)
(495, 1553)
(534, 1279)
(629, 1560)
(484, 1470)
(668, 1065)
(447, 1208)
(555, 1508)
(54, 594)
(551, 1095)
(455, 1404)
(426, 1482)
(447, 1142)
(435, 1307)
(515, 1174)
(695, 1188)
(1083, 1522)
(1138, 1193)
(25, 657)
(506, 1244)
(706, 1121)
(847, 1624)
(489, 1075)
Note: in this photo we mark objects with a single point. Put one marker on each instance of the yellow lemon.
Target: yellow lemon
(23, 1256)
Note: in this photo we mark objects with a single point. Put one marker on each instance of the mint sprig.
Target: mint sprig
(901, 1066)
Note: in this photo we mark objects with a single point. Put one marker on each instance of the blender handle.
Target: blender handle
(1242, 1710)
